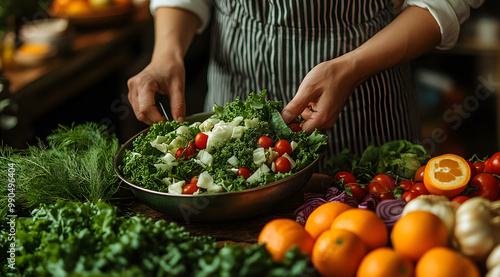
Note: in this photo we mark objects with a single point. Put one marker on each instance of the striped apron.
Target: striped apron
(272, 45)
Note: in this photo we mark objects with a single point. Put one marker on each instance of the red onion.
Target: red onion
(390, 210)
(370, 201)
(302, 213)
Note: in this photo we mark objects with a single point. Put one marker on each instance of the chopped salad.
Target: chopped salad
(244, 144)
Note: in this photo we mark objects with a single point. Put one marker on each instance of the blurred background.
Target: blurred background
(65, 61)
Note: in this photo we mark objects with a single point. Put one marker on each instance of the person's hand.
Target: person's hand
(322, 95)
(165, 78)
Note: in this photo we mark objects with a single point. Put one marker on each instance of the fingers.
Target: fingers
(142, 98)
(296, 106)
(177, 100)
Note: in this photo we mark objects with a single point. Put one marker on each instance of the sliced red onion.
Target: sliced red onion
(332, 192)
(302, 213)
(390, 211)
(370, 201)
(344, 198)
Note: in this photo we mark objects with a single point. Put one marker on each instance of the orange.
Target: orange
(417, 232)
(337, 253)
(445, 262)
(364, 223)
(385, 262)
(322, 217)
(446, 175)
(281, 234)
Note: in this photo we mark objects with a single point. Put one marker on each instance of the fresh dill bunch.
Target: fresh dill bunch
(76, 165)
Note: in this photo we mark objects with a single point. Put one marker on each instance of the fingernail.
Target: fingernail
(287, 116)
(180, 119)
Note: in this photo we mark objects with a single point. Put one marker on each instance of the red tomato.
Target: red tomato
(473, 171)
(357, 191)
(386, 195)
(479, 167)
(386, 181)
(420, 187)
(377, 188)
(460, 199)
(265, 142)
(347, 176)
(492, 164)
(487, 184)
(201, 140)
(295, 127)
(410, 195)
(282, 146)
(189, 189)
(406, 185)
(244, 172)
(190, 151)
(282, 165)
(178, 153)
(194, 180)
(419, 175)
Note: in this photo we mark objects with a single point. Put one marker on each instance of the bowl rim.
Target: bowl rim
(221, 194)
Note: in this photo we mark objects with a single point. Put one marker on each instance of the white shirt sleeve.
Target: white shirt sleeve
(201, 8)
(449, 14)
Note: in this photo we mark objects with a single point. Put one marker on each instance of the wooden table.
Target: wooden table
(245, 231)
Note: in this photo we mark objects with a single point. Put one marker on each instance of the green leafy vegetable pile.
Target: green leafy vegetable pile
(139, 163)
(76, 164)
(400, 158)
(90, 239)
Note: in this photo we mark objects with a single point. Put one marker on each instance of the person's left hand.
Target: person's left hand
(322, 94)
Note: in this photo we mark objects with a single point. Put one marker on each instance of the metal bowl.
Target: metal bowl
(220, 207)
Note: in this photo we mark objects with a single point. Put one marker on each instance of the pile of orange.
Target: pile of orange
(81, 7)
(345, 241)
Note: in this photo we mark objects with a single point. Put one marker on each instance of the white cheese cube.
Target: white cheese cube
(205, 180)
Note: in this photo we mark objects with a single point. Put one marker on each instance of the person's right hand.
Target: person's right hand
(166, 77)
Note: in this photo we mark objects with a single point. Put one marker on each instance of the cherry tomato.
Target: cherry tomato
(479, 167)
(244, 172)
(189, 189)
(282, 146)
(295, 127)
(190, 151)
(178, 153)
(386, 195)
(357, 191)
(420, 187)
(265, 142)
(487, 185)
(473, 171)
(419, 175)
(201, 140)
(410, 195)
(347, 176)
(406, 185)
(194, 180)
(492, 164)
(282, 165)
(386, 181)
(377, 188)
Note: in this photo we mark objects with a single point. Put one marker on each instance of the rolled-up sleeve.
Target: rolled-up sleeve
(201, 8)
(449, 14)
